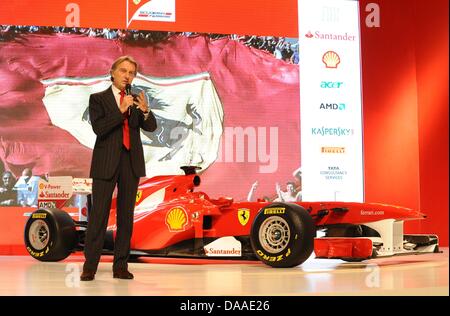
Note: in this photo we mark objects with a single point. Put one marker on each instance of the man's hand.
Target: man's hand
(141, 102)
(126, 103)
(277, 187)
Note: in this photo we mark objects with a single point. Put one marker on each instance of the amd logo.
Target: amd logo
(332, 106)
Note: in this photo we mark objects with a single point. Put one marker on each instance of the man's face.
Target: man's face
(123, 74)
(7, 179)
(290, 188)
(26, 174)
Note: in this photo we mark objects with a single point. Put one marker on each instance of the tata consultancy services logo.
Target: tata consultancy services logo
(333, 173)
(331, 59)
(150, 10)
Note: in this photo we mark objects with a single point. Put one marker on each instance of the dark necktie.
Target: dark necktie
(126, 130)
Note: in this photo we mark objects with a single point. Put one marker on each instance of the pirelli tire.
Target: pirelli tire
(282, 235)
(50, 235)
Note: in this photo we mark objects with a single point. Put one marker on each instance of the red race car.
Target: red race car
(172, 220)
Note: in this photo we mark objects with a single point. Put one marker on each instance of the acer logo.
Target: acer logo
(331, 84)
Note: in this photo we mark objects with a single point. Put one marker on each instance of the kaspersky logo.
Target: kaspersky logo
(331, 59)
(332, 131)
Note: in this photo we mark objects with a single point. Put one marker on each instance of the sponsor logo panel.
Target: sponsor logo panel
(210, 251)
(57, 188)
(224, 247)
(82, 185)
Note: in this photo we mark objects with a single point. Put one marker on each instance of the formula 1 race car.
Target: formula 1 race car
(172, 220)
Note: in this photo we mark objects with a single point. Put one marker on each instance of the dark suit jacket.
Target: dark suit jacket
(107, 123)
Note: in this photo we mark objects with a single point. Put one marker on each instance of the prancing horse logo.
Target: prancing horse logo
(243, 216)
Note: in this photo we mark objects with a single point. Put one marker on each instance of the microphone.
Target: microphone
(128, 89)
(128, 92)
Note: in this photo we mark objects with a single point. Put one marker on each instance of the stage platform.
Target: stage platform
(405, 275)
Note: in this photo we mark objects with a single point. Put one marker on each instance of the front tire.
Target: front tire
(50, 235)
(282, 235)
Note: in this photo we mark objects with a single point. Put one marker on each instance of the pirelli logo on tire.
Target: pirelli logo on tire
(273, 258)
(37, 254)
(274, 210)
(39, 215)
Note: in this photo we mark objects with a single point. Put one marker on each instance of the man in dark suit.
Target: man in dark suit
(118, 158)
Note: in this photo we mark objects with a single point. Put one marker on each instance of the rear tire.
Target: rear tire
(50, 235)
(282, 235)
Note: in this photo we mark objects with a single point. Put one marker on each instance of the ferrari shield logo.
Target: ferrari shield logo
(138, 195)
(243, 216)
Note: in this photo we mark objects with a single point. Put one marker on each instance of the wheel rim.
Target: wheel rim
(274, 234)
(39, 234)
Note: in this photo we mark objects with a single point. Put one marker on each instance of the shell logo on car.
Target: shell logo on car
(176, 219)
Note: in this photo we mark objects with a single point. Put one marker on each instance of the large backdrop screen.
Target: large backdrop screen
(229, 103)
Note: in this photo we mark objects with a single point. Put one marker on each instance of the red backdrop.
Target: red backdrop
(405, 97)
(405, 85)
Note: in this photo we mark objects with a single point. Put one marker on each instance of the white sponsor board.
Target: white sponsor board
(56, 188)
(224, 247)
(82, 185)
(154, 10)
(330, 101)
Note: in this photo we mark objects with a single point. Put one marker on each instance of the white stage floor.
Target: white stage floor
(405, 275)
